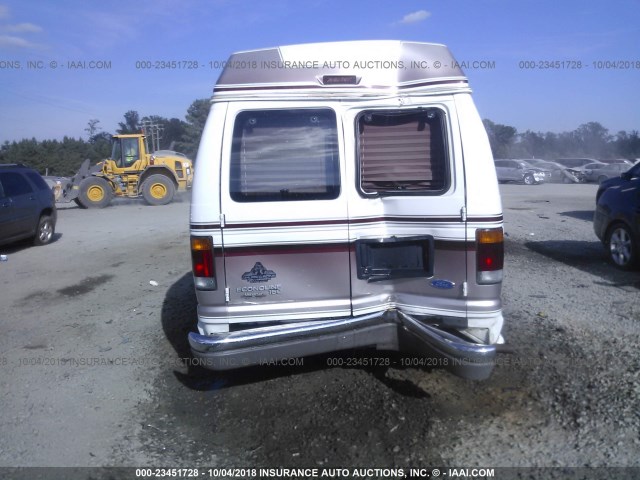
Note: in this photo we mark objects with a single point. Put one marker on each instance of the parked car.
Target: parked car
(622, 160)
(604, 172)
(616, 221)
(559, 173)
(589, 168)
(27, 206)
(520, 171)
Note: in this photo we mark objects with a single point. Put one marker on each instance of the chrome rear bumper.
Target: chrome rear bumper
(391, 330)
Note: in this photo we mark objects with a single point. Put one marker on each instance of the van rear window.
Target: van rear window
(285, 155)
(402, 152)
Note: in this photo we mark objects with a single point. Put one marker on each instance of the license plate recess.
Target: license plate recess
(394, 257)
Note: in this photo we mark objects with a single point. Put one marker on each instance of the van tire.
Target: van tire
(95, 192)
(44, 231)
(158, 190)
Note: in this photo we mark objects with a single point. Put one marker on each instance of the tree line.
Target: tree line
(589, 140)
(63, 157)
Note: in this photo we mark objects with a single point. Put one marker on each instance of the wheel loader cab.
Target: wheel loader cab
(125, 151)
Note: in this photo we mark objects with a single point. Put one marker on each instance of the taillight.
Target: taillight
(489, 255)
(204, 273)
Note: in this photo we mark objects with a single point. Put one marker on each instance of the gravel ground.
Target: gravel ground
(566, 395)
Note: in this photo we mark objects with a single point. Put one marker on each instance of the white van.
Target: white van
(345, 196)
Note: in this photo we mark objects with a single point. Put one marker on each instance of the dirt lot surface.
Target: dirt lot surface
(94, 364)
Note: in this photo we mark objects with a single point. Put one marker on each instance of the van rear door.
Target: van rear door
(285, 229)
(407, 216)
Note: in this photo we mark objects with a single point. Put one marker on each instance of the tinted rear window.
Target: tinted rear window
(285, 155)
(402, 152)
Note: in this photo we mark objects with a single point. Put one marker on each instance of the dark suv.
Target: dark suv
(27, 206)
(617, 218)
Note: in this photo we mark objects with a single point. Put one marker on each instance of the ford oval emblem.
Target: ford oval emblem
(442, 284)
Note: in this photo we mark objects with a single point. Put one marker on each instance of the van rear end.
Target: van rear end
(337, 207)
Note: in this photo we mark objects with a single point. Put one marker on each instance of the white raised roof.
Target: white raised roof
(341, 66)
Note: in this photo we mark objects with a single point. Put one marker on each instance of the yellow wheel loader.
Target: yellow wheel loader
(130, 172)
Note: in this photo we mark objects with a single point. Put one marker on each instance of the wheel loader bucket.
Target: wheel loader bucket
(71, 190)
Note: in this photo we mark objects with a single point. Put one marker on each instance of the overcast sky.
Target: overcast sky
(594, 45)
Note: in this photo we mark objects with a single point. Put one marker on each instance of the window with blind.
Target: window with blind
(285, 155)
(402, 152)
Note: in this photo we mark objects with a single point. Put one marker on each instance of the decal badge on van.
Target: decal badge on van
(258, 274)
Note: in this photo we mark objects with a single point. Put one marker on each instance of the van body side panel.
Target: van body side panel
(483, 196)
(205, 206)
(484, 210)
(205, 215)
